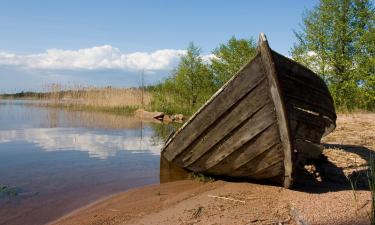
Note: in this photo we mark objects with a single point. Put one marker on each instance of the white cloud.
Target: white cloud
(95, 58)
(207, 58)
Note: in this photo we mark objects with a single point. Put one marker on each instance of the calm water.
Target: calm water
(58, 160)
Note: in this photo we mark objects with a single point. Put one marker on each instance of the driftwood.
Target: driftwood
(225, 198)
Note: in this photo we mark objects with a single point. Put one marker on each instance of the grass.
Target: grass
(202, 178)
(7, 191)
(123, 101)
(117, 110)
(353, 184)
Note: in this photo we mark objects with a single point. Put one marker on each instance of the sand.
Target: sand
(322, 195)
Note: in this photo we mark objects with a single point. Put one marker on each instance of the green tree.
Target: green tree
(230, 57)
(190, 85)
(337, 42)
(194, 81)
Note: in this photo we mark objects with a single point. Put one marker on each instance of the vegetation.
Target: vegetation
(194, 81)
(230, 57)
(190, 85)
(202, 178)
(114, 100)
(7, 191)
(337, 41)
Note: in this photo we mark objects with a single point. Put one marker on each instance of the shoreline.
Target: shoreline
(221, 202)
(327, 199)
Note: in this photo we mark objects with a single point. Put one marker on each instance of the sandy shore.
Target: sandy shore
(322, 194)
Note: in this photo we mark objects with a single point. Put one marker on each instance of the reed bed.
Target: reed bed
(107, 99)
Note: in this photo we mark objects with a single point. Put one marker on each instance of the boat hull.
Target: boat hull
(258, 125)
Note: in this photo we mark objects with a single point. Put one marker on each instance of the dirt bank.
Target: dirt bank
(326, 198)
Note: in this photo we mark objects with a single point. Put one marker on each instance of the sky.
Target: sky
(110, 43)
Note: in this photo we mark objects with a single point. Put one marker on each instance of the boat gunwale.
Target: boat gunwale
(278, 100)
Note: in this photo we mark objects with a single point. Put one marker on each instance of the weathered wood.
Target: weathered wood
(224, 99)
(308, 132)
(297, 71)
(262, 162)
(309, 118)
(270, 172)
(246, 108)
(300, 82)
(264, 121)
(300, 102)
(252, 127)
(307, 150)
(292, 90)
(247, 152)
(277, 97)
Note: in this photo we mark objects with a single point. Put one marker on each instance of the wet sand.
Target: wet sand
(322, 194)
(193, 202)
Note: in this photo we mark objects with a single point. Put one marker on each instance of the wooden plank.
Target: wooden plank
(300, 102)
(221, 102)
(255, 125)
(262, 142)
(309, 132)
(245, 108)
(307, 150)
(262, 161)
(272, 171)
(289, 67)
(306, 117)
(277, 97)
(290, 88)
(298, 81)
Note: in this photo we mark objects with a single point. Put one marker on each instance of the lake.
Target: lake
(53, 161)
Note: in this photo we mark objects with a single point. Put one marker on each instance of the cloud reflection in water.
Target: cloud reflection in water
(96, 144)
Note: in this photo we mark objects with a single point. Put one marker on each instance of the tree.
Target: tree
(190, 85)
(194, 81)
(230, 57)
(337, 42)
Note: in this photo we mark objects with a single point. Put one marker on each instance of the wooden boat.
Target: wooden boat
(262, 124)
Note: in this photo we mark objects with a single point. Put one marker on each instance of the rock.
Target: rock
(149, 115)
(167, 119)
(178, 117)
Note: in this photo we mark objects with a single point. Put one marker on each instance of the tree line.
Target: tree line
(336, 40)
(194, 80)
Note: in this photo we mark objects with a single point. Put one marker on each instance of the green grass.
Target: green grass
(353, 183)
(118, 110)
(202, 177)
(7, 191)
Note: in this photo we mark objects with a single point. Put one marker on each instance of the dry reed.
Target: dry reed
(94, 97)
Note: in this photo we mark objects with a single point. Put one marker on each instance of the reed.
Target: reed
(107, 99)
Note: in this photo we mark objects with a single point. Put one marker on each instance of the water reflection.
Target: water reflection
(96, 144)
(170, 172)
(21, 114)
(65, 159)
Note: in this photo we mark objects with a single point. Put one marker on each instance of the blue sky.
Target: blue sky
(110, 42)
